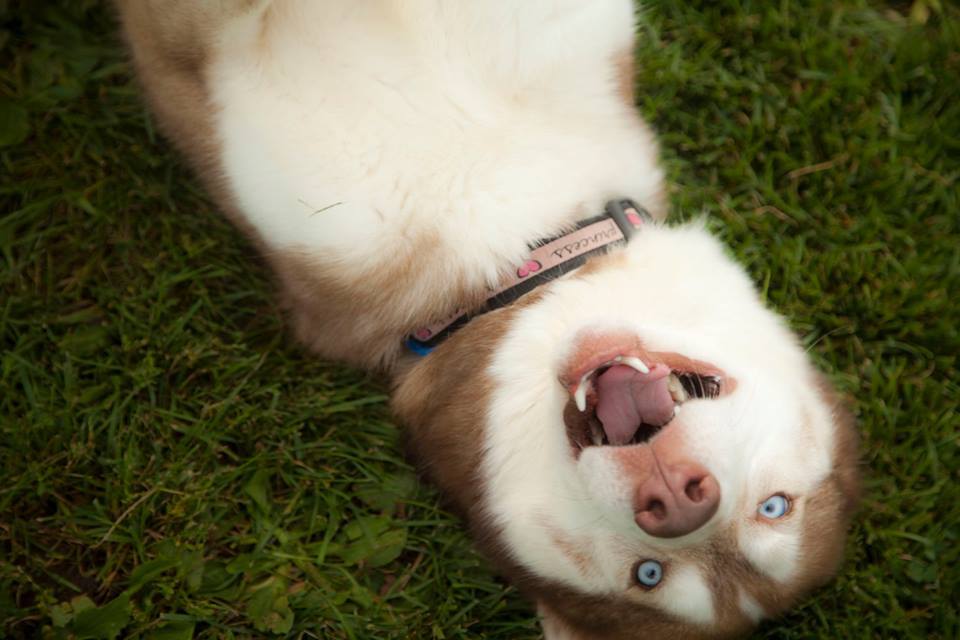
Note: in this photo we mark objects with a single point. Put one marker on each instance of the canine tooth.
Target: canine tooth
(636, 363)
(675, 387)
(580, 395)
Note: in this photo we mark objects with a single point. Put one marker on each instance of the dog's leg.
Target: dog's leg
(179, 26)
(172, 42)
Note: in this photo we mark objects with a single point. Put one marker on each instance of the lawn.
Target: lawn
(173, 465)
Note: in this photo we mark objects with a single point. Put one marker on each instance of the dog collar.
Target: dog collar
(549, 259)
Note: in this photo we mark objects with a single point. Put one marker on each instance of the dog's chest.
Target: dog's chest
(357, 134)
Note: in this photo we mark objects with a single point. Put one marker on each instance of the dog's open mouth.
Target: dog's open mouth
(625, 400)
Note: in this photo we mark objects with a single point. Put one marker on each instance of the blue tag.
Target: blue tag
(418, 347)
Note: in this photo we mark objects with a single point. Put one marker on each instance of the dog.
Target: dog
(461, 195)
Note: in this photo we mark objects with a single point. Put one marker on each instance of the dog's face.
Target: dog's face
(655, 451)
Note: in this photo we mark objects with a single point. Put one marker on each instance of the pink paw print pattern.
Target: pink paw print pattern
(634, 217)
(529, 267)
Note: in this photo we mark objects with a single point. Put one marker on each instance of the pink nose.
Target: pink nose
(677, 501)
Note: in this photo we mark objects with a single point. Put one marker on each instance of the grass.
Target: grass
(173, 466)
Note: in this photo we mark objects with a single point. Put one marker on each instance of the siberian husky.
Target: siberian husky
(462, 196)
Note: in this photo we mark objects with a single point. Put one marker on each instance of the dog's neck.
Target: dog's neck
(549, 259)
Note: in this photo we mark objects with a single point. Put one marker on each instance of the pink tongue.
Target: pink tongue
(626, 398)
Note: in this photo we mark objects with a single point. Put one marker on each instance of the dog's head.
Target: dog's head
(643, 447)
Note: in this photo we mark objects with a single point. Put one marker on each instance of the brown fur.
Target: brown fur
(170, 41)
(443, 416)
(624, 67)
(362, 320)
(358, 320)
(575, 549)
(442, 399)
(442, 402)
(830, 508)
(828, 513)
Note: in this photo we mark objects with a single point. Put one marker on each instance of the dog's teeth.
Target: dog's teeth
(674, 386)
(596, 436)
(581, 398)
(580, 395)
(636, 363)
(711, 386)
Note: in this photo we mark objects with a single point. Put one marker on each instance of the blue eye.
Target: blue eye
(774, 507)
(649, 573)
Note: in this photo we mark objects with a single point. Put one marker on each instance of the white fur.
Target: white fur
(347, 125)
(750, 607)
(772, 434)
(687, 596)
(553, 629)
(351, 129)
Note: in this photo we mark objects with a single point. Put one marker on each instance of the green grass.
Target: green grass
(172, 464)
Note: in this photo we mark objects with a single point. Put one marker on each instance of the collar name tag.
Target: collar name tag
(549, 259)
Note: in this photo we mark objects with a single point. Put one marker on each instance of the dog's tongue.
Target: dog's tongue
(627, 398)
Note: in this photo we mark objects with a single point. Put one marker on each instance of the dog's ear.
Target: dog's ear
(555, 628)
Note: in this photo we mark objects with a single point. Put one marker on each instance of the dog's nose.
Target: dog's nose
(676, 500)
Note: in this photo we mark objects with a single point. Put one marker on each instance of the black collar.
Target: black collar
(549, 259)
